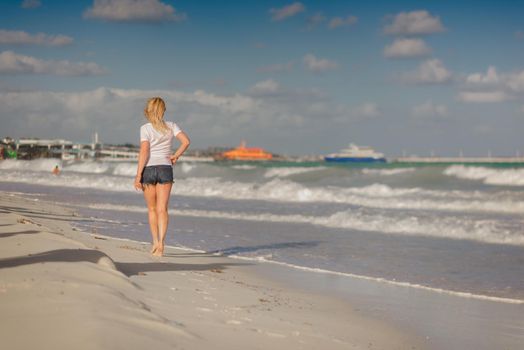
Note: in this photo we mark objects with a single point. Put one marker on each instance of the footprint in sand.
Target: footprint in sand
(275, 335)
(204, 309)
(234, 322)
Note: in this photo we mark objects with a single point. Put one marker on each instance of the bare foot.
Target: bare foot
(154, 248)
(159, 251)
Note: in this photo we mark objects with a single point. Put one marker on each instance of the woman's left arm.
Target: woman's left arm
(143, 155)
(184, 144)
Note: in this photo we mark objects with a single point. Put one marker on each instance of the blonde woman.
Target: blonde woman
(154, 175)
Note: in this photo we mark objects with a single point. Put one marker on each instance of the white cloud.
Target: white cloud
(431, 71)
(414, 23)
(490, 78)
(279, 14)
(277, 67)
(17, 37)
(230, 104)
(31, 4)
(315, 20)
(265, 87)
(492, 86)
(430, 109)
(315, 64)
(337, 22)
(12, 63)
(483, 96)
(515, 81)
(407, 48)
(367, 109)
(346, 114)
(265, 109)
(133, 10)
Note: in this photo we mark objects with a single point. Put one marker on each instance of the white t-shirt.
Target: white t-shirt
(160, 145)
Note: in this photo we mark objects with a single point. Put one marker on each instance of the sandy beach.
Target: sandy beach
(61, 288)
(336, 174)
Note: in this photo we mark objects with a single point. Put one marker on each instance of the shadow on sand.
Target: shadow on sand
(9, 234)
(58, 255)
(94, 256)
(131, 269)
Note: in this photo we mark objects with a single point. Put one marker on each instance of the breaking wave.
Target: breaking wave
(489, 176)
(283, 190)
(288, 171)
(42, 165)
(244, 167)
(90, 167)
(483, 230)
(387, 172)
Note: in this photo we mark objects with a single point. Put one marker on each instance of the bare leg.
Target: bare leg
(162, 200)
(151, 199)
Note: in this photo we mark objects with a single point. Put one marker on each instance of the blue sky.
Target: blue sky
(293, 77)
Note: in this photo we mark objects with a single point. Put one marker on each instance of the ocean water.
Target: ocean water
(455, 229)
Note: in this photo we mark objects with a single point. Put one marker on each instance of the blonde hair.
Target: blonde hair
(154, 112)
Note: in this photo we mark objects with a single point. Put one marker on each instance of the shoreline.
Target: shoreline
(186, 299)
(381, 280)
(195, 213)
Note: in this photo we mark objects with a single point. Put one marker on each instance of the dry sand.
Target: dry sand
(65, 289)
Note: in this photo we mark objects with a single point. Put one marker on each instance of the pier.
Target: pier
(460, 160)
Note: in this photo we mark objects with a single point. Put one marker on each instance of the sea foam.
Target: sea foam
(387, 172)
(288, 171)
(88, 167)
(40, 165)
(453, 227)
(489, 176)
(283, 190)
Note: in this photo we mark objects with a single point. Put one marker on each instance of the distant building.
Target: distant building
(118, 153)
(30, 148)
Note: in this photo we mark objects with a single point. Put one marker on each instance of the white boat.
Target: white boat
(356, 154)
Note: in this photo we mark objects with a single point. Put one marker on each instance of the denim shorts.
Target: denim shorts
(157, 174)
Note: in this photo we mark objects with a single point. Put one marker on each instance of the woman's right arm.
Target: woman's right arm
(184, 144)
(143, 156)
